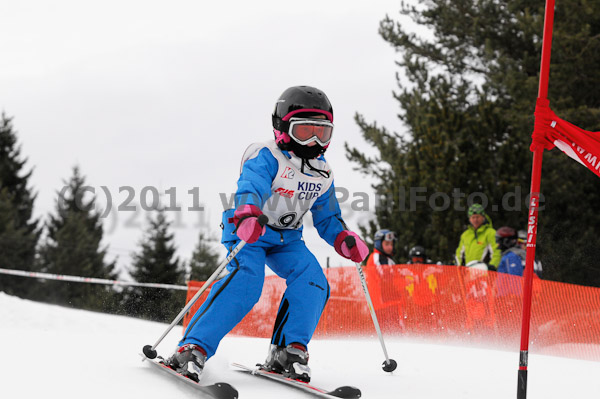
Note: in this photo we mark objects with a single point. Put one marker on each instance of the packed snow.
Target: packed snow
(57, 352)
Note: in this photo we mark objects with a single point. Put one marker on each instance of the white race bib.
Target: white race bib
(293, 193)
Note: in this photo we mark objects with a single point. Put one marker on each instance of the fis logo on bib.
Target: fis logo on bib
(284, 192)
(308, 190)
(288, 173)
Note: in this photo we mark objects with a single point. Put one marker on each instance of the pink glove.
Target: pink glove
(246, 223)
(357, 252)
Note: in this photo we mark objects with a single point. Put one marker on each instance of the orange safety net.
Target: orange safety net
(445, 303)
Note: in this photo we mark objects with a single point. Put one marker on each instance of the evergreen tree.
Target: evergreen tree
(204, 260)
(19, 232)
(73, 247)
(468, 110)
(156, 263)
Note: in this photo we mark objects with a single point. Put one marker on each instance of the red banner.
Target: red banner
(579, 144)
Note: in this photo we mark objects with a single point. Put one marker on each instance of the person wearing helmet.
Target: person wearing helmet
(513, 256)
(282, 179)
(478, 243)
(417, 255)
(383, 243)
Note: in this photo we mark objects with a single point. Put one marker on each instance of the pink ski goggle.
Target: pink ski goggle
(305, 131)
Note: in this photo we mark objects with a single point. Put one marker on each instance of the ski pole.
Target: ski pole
(388, 365)
(150, 351)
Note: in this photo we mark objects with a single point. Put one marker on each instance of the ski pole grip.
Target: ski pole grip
(263, 220)
(350, 241)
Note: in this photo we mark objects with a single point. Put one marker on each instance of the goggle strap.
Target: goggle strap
(322, 172)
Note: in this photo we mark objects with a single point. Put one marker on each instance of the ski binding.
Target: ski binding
(346, 392)
(219, 390)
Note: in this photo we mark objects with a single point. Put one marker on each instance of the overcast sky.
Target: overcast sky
(169, 94)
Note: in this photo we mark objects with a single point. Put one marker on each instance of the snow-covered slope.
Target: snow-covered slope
(54, 352)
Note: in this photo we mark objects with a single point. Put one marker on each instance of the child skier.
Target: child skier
(282, 179)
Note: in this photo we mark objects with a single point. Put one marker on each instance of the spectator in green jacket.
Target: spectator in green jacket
(478, 242)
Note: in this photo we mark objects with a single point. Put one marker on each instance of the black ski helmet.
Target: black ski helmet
(506, 237)
(302, 102)
(417, 252)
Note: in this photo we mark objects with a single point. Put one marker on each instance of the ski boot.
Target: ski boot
(188, 361)
(290, 361)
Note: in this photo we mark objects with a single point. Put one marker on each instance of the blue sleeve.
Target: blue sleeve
(517, 270)
(254, 184)
(502, 266)
(327, 216)
(511, 264)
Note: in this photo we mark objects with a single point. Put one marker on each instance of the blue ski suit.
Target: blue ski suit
(285, 188)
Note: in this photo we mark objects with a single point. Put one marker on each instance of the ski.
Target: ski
(346, 392)
(219, 390)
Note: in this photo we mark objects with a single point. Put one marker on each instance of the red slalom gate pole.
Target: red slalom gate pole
(534, 201)
(546, 49)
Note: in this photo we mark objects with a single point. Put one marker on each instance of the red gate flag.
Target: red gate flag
(551, 131)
